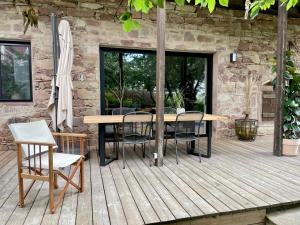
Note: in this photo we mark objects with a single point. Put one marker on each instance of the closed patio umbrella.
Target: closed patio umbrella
(63, 80)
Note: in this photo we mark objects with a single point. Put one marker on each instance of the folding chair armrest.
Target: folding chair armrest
(34, 143)
(69, 135)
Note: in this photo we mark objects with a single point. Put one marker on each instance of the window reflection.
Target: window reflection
(15, 81)
(130, 81)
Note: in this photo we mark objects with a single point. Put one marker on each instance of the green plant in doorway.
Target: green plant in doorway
(291, 109)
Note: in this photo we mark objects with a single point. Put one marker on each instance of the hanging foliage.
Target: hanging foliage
(145, 6)
(30, 16)
(258, 5)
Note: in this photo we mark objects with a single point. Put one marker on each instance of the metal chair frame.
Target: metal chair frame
(168, 110)
(140, 126)
(188, 135)
(116, 127)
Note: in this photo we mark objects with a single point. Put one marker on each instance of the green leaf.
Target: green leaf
(287, 75)
(289, 5)
(125, 16)
(223, 3)
(180, 2)
(138, 5)
(160, 3)
(297, 112)
(127, 26)
(211, 5)
(254, 10)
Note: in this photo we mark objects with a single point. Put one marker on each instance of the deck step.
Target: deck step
(284, 217)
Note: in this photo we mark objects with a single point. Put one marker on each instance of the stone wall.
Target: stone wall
(92, 23)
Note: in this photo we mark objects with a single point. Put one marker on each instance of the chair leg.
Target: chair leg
(51, 195)
(81, 176)
(55, 181)
(20, 179)
(21, 191)
(165, 148)
(150, 154)
(176, 152)
(199, 150)
(144, 150)
(117, 150)
(123, 150)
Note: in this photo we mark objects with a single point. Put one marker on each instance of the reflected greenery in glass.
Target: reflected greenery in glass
(15, 80)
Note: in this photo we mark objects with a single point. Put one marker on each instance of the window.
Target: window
(15, 71)
(128, 80)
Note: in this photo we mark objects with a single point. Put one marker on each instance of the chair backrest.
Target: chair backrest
(122, 111)
(32, 132)
(188, 123)
(137, 123)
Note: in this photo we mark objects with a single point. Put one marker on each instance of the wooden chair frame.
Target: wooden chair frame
(35, 173)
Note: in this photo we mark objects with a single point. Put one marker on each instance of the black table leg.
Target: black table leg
(101, 145)
(209, 135)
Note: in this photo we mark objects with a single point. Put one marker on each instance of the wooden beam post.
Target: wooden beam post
(160, 83)
(281, 49)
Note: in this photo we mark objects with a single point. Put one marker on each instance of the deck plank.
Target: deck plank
(239, 177)
(194, 165)
(69, 205)
(100, 211)
(84, 207)
(19, 215)
(131, 210)
(175, 207)
(49, 218)
(114, 205)
(145, 207)
(266, 173)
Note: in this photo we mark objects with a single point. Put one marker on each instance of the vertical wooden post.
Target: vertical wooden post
(281, 48)
(160, 82)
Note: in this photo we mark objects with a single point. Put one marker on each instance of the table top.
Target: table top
(107, 119)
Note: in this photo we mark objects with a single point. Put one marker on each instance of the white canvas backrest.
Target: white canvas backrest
(32, 132)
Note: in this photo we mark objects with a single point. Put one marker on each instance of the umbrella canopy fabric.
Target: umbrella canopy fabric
(63, 80)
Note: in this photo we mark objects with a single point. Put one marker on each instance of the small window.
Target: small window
(15, 71)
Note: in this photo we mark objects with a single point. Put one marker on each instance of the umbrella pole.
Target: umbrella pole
(56, 53)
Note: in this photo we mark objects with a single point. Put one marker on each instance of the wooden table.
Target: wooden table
(103, 120)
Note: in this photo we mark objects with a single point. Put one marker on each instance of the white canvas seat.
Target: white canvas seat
(60, 161)
(36, 154)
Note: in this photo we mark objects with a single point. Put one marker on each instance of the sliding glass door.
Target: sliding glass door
(128, 80)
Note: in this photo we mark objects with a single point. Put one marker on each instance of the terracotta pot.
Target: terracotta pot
(290, 147)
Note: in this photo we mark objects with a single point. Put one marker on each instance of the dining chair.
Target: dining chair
(117, 129)
(38, 158)
(169, 128)
(187, 129)
(137, 129)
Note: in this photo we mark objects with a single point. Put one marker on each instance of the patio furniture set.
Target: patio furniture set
(43, 156)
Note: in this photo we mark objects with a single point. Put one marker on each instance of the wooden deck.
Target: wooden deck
(240, 176)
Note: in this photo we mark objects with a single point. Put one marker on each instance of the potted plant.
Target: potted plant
(246, 128)
(291, 110)
(179, 101)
